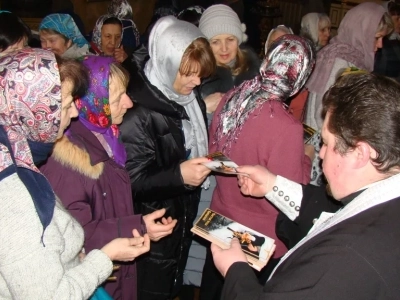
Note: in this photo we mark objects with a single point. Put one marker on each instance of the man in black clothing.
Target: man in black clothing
(353, 251)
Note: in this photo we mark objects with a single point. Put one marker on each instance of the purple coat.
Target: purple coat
(97, 192)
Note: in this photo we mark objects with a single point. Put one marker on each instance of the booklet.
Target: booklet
(308, 133)
(220, 230)
(219, 162)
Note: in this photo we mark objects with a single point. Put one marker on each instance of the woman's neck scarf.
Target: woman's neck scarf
(168, 41)
(65, 25)
(354, 43)
(286, 67)
(96, 35)
(30, 111)
(94, 107)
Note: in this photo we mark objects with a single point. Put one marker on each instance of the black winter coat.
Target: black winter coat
(154, 140)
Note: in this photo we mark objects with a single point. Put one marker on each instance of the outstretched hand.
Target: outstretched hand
(224, 259)
(158, 229)
(258, 182)
(194, 172)
(127, 249)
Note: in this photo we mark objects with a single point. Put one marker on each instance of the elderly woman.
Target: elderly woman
(354, 46)
(59, 33)
(276, 33)
(41, 251)
(317, 28)
(165, 135)
(255, 107)
(91, 158)
(107, 38)
(14, 34)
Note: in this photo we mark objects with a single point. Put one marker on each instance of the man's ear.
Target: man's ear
(363, 154)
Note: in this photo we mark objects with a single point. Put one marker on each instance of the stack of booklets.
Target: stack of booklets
(220, 230)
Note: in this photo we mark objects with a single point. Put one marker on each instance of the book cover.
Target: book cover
(220, 230)
(308, 133)
(219, 162)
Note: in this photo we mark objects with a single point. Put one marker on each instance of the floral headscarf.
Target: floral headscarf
(94, 107)
(286, 67)
(30, 112)
(64, 24)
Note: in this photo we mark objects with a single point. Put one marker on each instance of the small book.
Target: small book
(308, 133)
(219, 162)
(220, 230)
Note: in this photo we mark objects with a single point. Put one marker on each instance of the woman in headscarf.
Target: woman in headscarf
(130, 34)
(252, 126)
(107, 38)
(165, 135)
(59, 33)
(14, 33)
(276, 33)
(354, 46)
(41, 250)
(91, 159)
(317, 28)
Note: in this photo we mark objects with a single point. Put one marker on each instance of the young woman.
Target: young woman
(251, 125)
(59, 33)
(41, 252)
(91, 159)
(165, 135)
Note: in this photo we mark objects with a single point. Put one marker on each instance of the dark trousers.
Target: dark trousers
(212, 281)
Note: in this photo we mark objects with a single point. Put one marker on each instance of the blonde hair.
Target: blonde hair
(241, 64)
(119, 73)
(386, 24)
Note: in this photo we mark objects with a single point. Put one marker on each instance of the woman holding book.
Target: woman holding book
(254, 107)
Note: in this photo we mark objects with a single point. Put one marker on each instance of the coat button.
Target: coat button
(286, 198)
(275, 188)
(280, 193)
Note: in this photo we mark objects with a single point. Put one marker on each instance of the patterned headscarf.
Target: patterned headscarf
(94, 107)
(96, 35)
(286, 67)
(30, 111)
(121, 9)
(65, 25)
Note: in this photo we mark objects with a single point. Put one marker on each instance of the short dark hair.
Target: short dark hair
(366, 108)
(12, 30)
(190, 16)
(75, 72)
(394, 9)
(198, 55)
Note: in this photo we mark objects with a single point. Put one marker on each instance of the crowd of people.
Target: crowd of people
(104, 137)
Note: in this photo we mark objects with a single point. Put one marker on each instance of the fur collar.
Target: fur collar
(76, 158)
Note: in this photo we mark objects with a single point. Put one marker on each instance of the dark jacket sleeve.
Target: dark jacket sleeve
(79, 200)
(149, 181)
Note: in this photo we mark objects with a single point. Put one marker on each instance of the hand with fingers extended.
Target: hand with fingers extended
(225, 258)
(194, 172)
(258, 181)
(157, 225)
(127, 249)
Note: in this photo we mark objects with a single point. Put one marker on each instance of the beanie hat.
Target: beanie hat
(221, 19)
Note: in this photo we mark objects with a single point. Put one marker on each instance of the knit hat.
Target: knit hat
(221, 19)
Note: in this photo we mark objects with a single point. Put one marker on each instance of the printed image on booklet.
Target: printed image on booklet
(219, 162)
(220, 230)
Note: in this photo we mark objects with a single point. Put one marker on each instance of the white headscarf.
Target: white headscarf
(168, 41)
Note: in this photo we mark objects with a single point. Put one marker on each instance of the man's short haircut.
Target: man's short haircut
(366, 108)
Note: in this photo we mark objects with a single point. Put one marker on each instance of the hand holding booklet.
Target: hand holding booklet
(219, 162)
(220, 230)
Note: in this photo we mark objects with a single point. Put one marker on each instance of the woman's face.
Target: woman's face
(17, 46)
(184, 84)
(378, 39)
(225, 48)
(68, 108)
(324, 33)
(119, 101)
(110, 38)
(54, 42)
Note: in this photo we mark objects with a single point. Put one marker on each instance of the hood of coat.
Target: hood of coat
(81, 151)
(142, 92)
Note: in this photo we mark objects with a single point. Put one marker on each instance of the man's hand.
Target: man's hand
(258, 182)
(156, 229)
(224, 259)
